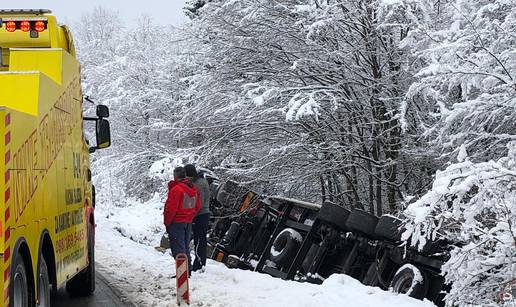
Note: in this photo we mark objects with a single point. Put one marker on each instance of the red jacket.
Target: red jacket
(183, 202)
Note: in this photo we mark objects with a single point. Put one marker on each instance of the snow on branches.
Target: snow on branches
(473, 207)
(467, 74)
(463, 101)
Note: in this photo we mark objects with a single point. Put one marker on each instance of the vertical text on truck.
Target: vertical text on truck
(46, 193)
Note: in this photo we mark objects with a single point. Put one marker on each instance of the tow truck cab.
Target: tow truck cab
(46, 203)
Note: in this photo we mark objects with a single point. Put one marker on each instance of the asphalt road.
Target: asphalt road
(105, 296)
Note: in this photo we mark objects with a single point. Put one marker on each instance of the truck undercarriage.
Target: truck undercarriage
(306, 242)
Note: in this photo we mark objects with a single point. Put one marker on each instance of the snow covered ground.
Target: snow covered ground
(145, 274)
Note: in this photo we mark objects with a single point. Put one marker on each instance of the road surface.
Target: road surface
(105, 296)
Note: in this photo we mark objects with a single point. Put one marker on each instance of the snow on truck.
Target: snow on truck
(47, 197)
(307, 242)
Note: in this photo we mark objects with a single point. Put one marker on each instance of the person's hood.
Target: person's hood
(185, 184)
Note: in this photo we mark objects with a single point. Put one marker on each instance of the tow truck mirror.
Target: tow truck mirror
(103, 134)
(102, 111)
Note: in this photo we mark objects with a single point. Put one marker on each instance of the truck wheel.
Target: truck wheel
(93, 196)
(244, 238)
(334, 214)
(285, 246)
(362, 222)
(214, 189)
(411, 281)
(389, 228)
(83, 284)
(309, 259)
(43, 284)
(231, 235)
(19, 285)
(223, 198)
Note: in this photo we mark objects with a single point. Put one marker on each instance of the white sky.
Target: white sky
(164, 11)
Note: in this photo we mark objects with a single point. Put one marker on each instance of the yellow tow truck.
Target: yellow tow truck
(46, 194)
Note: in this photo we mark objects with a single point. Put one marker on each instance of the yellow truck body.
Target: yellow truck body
(46, 209)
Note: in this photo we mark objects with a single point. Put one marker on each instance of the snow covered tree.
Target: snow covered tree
(133, 71)
(472, 206)
(465, 77)
(315, 90)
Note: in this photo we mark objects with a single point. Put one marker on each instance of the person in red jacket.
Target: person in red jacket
(183, 203)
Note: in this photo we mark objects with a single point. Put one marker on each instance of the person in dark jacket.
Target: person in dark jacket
(201, 220)
(183, 203)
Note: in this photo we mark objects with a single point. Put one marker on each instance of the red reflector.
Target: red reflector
(39, 26)
(10, 26)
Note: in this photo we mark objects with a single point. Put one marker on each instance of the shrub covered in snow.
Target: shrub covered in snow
(473, 206)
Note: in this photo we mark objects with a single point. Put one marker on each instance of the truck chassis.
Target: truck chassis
(306, 242)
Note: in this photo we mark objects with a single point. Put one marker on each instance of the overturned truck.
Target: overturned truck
(307, 242)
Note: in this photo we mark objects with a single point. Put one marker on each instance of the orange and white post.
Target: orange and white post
(183, 292)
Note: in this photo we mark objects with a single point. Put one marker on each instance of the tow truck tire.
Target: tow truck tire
(362, 222)
(411, 281)
(83, 284)
(43, 284)
(19, 286)
(334, 214)
(389, 228)
(285, 247)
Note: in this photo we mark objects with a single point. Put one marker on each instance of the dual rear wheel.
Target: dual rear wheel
(21, 295)
(19, 284)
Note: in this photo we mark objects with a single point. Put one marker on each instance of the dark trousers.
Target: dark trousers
(179, 237)
(200, 228)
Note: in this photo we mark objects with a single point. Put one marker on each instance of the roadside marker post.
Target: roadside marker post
(183, 293)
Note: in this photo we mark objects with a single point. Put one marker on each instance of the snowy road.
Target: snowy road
(105, 296)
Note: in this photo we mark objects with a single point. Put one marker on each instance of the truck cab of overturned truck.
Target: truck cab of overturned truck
(47, 224)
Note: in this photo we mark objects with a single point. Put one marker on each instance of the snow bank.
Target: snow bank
(139, 222)
(145, 274)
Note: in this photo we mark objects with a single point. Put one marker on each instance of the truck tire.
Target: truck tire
(19, 289)
(334, 214)
(244, 239)
(285, 247)
(214, 189)
(389, 228)
(362, 222)
(411, 281)
(83, 284)
(309, 259)
(43, 284)
(231, 235)
(93, 196)
(222, 198)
